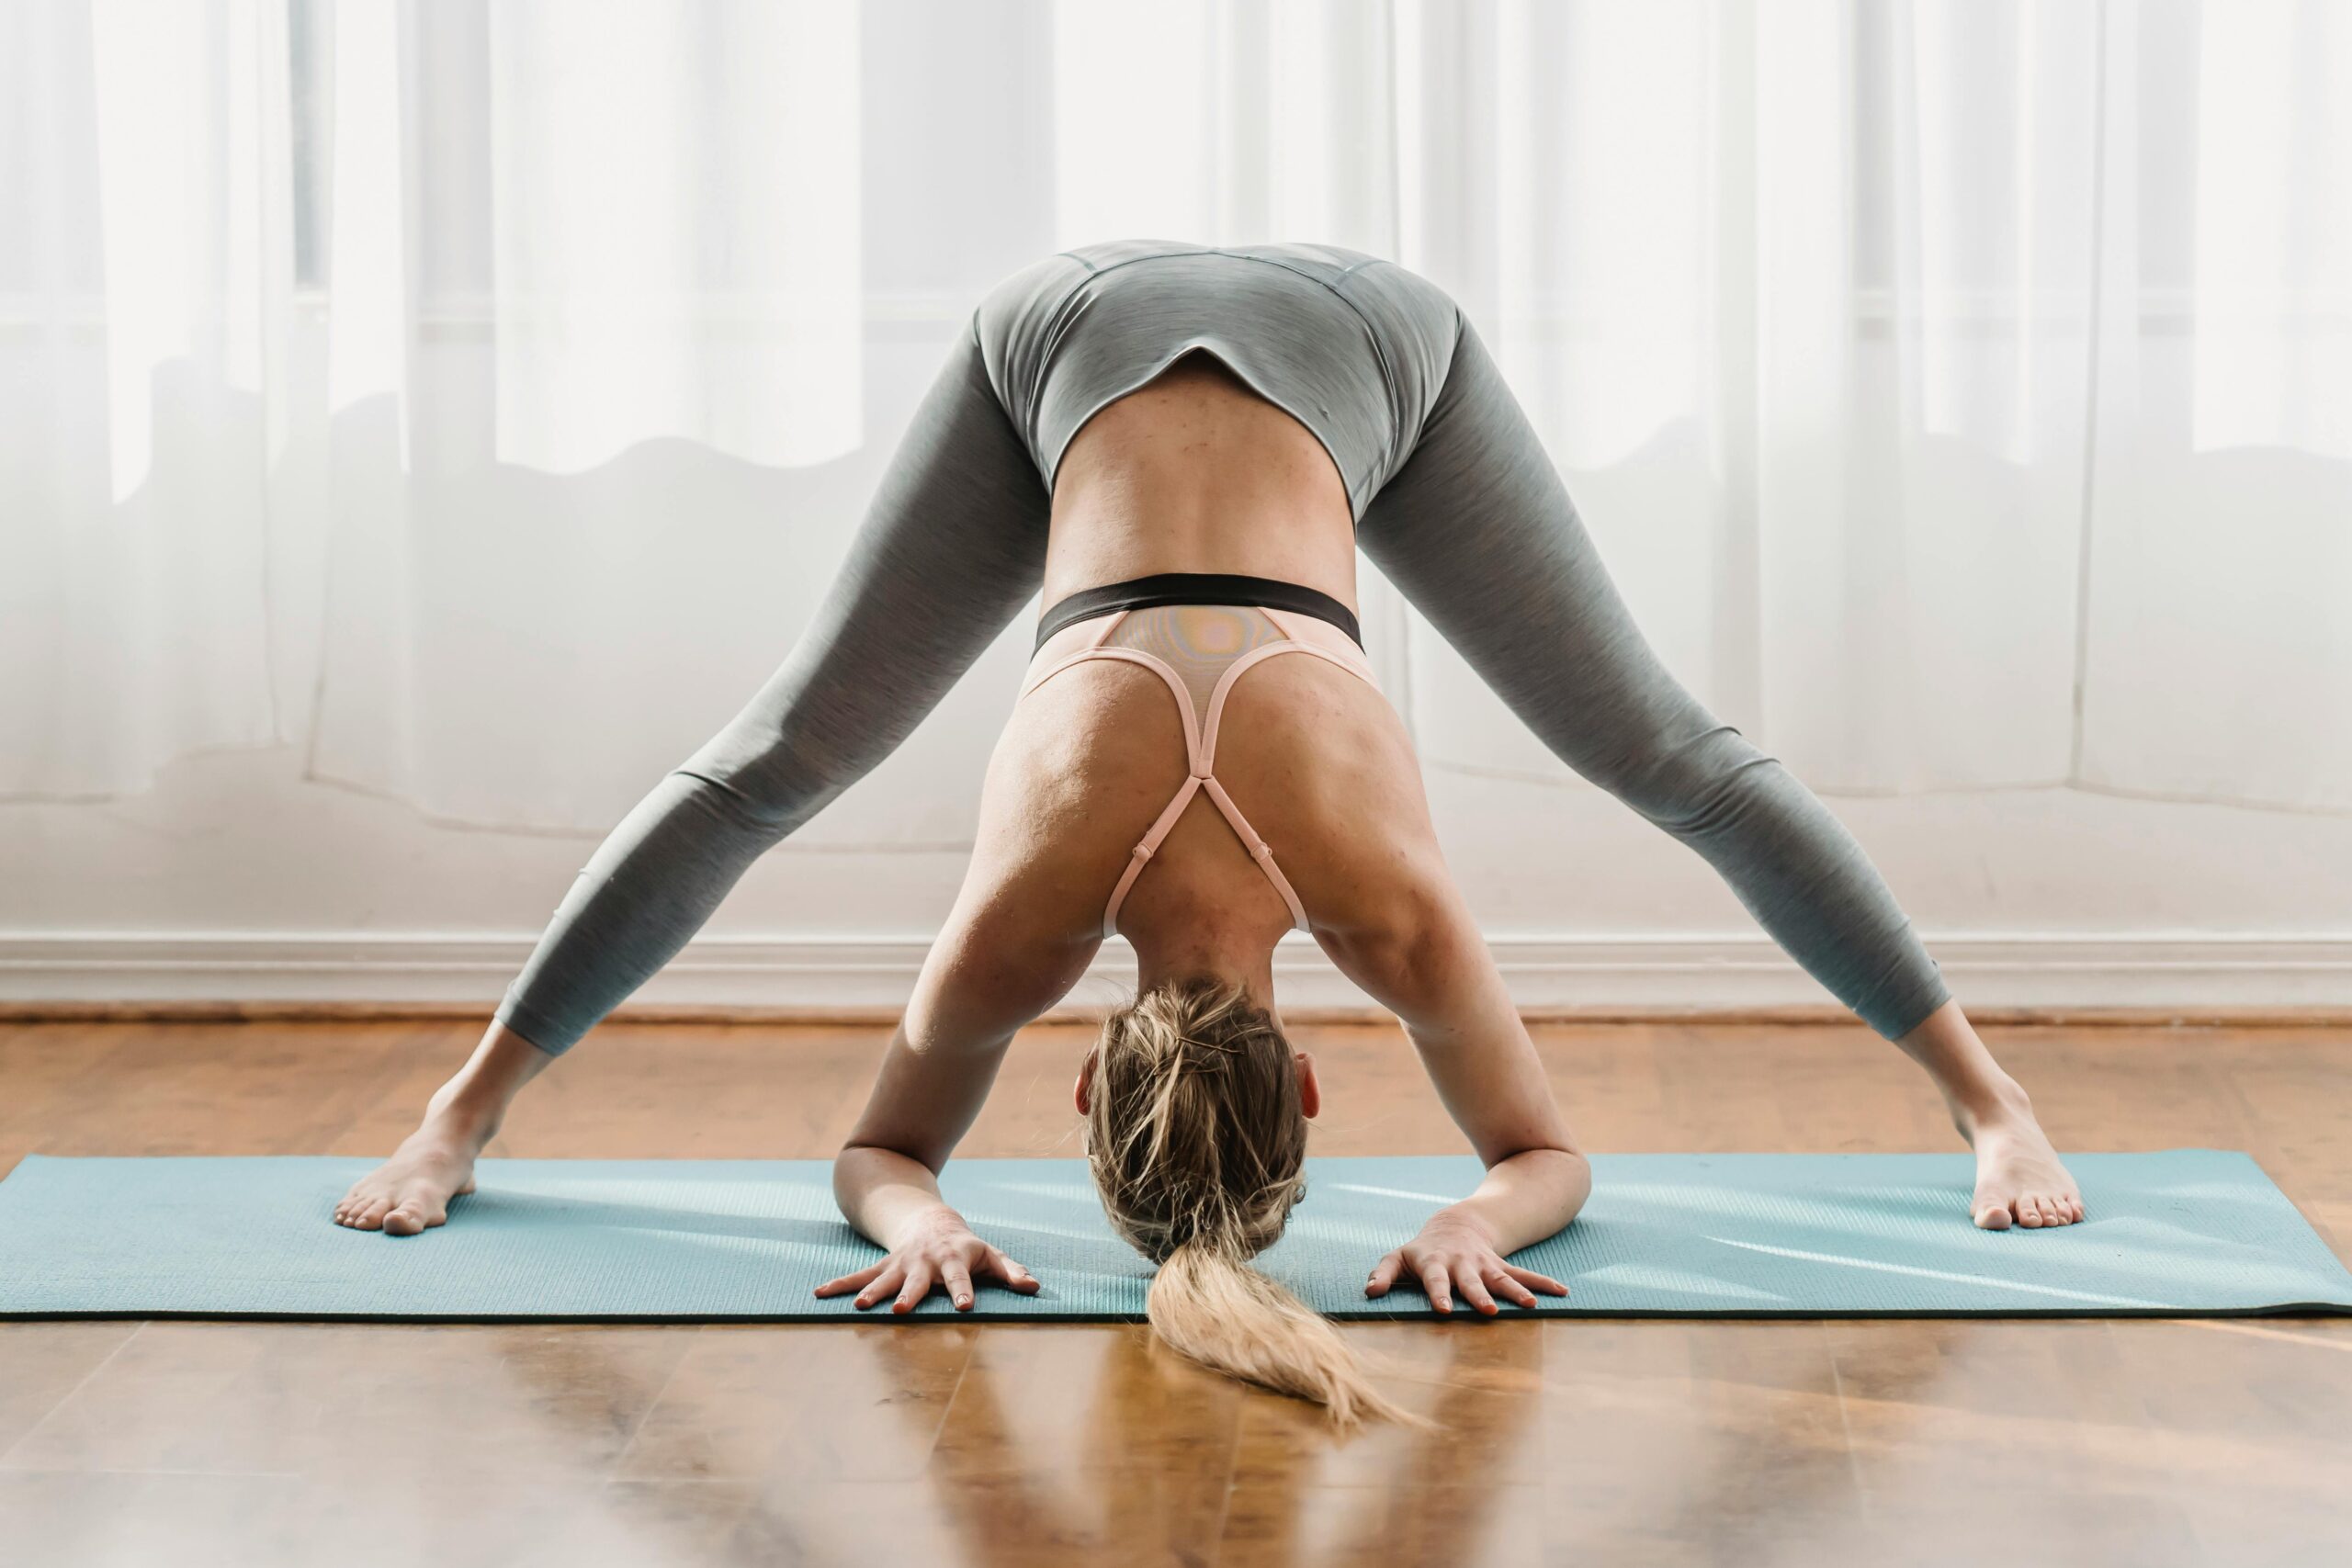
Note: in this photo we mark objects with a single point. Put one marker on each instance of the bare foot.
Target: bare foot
(411, 1191)
(2018, 1177)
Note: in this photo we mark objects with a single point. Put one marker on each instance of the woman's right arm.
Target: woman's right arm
(1426, 962)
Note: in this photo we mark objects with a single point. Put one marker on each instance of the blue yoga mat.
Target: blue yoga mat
(2180, 1232)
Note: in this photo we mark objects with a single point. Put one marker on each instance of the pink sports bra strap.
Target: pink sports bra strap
(1258, 851)
(1200, 740)
(1145, 850)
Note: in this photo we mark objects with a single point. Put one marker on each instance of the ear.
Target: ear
(1085, 1080)
(1310, 1093)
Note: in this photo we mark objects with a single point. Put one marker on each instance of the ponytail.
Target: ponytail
(1198, 1142)
(1210, 1305)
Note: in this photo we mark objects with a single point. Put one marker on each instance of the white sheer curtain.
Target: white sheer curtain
(586, 261)
(1962, 393)
(143, 225)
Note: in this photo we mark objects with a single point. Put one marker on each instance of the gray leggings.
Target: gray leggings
(1459, 505)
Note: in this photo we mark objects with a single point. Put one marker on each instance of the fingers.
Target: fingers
(1012, 1274)
(851, 1281)
(909, 1279)
(1383, 1274)
(1439, 1290)
(1477, 1282)
(919, 1282)
(1534, 1281)
(1511, 1290)
(958, 1282)
(882, 1284)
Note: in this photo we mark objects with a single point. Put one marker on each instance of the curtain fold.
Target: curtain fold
(583, 276)
(476, 395)
(141, 241)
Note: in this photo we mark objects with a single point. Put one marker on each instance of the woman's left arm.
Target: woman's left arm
(989, 973)
(983, 980)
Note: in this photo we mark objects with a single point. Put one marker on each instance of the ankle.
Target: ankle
(462, 1110)
(1992, 1102)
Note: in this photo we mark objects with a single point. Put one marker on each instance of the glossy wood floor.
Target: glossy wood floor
(1592, 1443)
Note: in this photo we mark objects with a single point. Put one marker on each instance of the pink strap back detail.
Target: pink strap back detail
(1200, 745)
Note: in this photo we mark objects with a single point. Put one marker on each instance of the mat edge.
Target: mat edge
(2316, 1310)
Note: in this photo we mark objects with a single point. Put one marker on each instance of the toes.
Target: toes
(371, 1213)
(2033, 1211)
(413, 1216)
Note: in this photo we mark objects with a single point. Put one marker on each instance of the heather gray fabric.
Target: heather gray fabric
(1453, 496)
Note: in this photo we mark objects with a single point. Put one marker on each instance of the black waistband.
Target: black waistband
(1197, 588)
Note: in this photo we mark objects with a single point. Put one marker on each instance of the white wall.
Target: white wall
(235, 879)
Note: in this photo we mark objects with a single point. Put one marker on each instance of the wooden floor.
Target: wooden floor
(1590, 1442)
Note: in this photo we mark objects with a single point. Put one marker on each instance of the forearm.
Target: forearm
(883, 1194)
(1526, 1198)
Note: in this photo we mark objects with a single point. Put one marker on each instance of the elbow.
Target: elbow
(1569, 1162)
(1557, 1161)
(863, 1152)
(1577, 1176)
(1561, 1169)
(1569, 1174)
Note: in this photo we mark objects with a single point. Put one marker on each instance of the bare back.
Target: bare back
(1194, 472)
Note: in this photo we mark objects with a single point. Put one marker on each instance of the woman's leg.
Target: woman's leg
(951, 548)
(1476, 529)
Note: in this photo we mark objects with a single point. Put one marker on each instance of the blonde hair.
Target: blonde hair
(1198, 1145)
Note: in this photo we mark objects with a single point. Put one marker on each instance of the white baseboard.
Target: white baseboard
(817, 973)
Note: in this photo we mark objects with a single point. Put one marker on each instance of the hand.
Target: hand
(940, 1250)
(1452, 1253)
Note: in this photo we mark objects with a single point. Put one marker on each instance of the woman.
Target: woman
(1185, 446)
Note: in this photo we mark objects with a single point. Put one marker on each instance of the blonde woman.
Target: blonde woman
(1183, 447)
